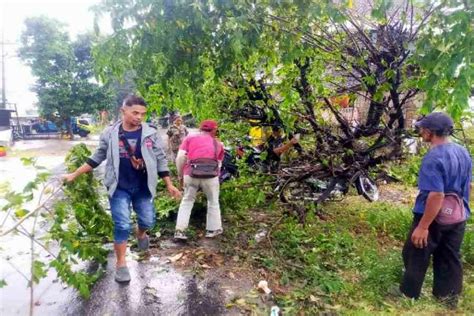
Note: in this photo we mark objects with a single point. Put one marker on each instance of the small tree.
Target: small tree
(65, 83)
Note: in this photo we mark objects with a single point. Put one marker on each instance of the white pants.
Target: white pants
(210, 187)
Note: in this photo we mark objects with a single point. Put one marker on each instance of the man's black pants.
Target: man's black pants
(444, 243)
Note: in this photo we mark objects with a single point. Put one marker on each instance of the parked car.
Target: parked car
(79, 126)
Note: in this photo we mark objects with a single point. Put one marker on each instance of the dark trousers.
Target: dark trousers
(444, 243)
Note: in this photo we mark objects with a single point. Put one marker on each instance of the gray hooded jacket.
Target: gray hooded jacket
(152, 151)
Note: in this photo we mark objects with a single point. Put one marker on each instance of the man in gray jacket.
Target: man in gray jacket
(135, 158)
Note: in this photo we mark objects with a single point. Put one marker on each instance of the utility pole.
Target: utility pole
(4, 97)
(4, 103)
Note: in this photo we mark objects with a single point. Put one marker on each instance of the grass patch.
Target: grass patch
(344, 261)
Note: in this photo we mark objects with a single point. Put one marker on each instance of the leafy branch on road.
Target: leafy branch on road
(74, 225)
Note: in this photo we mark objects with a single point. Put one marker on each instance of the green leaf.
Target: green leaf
(15, 199)
(39, 271)
(84, 290)
(3, 283)
(21, 212)
(28, 161)
(31, 186)
(43, 176)
(378, 96)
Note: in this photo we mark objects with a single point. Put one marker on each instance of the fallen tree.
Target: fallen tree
(212, 57)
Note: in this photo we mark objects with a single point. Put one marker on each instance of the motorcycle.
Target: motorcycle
(250, 154)
(313, 185)
(229, 167)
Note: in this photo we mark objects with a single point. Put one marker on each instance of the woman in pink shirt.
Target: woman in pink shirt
(195, 147)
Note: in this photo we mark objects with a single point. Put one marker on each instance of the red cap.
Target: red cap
(208, 125)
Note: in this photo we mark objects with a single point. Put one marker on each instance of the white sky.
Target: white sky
(74, 13)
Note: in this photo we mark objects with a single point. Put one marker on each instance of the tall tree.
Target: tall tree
(65, 83)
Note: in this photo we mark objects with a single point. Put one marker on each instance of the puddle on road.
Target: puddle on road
(156, 288)
(49, 295)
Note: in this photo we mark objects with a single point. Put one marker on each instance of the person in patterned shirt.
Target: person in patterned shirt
(176, 133)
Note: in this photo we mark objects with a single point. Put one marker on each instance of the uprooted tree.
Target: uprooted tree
(211, 57)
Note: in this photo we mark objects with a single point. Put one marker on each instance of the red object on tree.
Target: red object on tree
(341, 100)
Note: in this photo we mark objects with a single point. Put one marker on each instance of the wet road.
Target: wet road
(157, 287)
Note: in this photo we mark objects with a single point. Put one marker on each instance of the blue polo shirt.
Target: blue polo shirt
(445, 168)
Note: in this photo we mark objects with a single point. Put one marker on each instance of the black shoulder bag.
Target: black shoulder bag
(205, 168)
(137, 163)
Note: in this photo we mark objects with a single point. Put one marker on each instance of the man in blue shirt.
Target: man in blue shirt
(446, 168)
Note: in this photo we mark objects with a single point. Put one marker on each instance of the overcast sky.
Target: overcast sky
(74, 13)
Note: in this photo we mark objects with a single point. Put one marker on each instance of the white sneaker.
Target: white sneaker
(180, 235)
(213, 233)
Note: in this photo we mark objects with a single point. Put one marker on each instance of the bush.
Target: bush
(468, 244)
(407, 170)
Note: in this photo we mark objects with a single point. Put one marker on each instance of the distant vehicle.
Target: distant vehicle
(43, 127)
(79, 126)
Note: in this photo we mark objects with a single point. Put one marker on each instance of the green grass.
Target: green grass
(345, 262)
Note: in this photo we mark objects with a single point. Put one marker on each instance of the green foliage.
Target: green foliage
(407, 169)
(348, 259)
(39, 270)
(346, 245)
(165, 205)
(244, 193)
(444, 54)
(85, 199)
(81, 226)
(188, 55)
(468, 244)
(64, 70)
(77, 223)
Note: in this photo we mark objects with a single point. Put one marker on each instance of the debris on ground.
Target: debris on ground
(263, 286)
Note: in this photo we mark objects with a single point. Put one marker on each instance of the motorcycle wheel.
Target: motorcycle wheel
(298, 192)
(367, 188)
